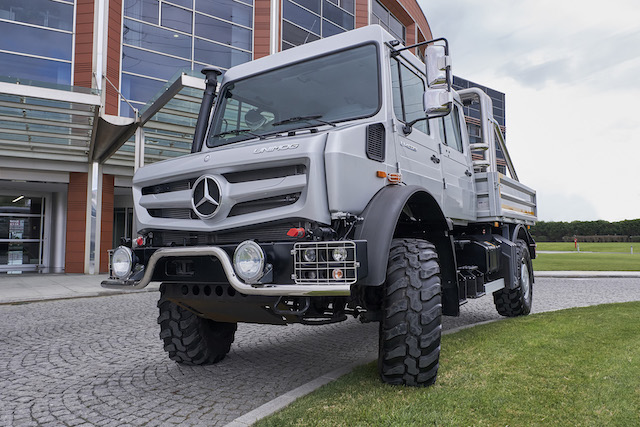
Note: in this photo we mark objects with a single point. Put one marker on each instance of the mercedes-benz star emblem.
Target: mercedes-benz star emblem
(205, 197)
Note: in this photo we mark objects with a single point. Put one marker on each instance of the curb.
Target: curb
(588, 274)
(106, 293)
(286, 399)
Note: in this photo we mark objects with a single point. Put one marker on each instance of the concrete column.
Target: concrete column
(139, 149)
(58, 232)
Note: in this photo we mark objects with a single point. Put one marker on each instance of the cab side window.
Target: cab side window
(408, 90)
(450, 129)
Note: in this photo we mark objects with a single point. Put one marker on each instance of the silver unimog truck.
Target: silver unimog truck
(330, 180)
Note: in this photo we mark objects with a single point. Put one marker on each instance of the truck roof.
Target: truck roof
(371, 33)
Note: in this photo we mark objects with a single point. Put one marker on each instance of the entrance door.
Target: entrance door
(21, 233)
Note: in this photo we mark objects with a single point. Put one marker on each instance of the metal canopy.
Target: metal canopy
(52, 122)
(168, 121)
(39, 120)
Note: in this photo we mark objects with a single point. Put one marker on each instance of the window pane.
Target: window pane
(218, 55)
(397, 29)
(380, 11)
(330, 29)
(176, 18)
(307, 20)
(38, 12)
(452, 130)
(313, 5)
(126, 111)
(139, 89)
(20, 253)
(223, 32)
(42, 70)
(185, 3)
(348, 5)
(337, 16)
(295, 35)
(24, 206)
(413, 91)
(144, 10)
(395, 87)
(30, 40)
(154, 38)
(16, 227)
(151, 64)
(229, 10)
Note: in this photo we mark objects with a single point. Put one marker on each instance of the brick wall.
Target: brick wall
(83, 66)
(76, 222)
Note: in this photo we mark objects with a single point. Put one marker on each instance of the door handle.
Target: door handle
(467, 173)
(434, 159)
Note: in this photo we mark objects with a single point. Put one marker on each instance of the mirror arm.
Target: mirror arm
(408, 127)
(395, 52)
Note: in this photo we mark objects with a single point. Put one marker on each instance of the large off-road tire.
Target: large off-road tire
(193, 340)
(517, 302)
(411, 323)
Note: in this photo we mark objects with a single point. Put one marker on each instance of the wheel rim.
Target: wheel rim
(525, 281)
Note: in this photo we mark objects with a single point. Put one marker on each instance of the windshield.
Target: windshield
(318, 92)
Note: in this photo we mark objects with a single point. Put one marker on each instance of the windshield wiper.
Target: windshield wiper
(238, 132)
(303, 119)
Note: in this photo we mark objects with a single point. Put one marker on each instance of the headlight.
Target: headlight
(121, 262)
(310, 255)
(340, 254)
(248, 261)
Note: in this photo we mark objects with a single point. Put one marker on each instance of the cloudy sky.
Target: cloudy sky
(571, 74)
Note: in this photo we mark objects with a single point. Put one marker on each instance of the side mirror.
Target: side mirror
(437, 102)
(438, 98)
(438, 65)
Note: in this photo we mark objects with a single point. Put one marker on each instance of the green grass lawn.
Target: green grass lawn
(590, 247)
(592, 257)
(586, 262)
(571, 367)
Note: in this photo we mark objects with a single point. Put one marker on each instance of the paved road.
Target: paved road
(99, 361)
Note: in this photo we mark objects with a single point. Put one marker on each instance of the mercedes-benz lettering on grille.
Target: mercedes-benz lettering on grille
(206, 197)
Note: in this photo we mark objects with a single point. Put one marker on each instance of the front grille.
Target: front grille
(184, 184)
(264, 204)
(174, 213)
(263, 233)
(315, 263)
(268, 173)
(234, 193)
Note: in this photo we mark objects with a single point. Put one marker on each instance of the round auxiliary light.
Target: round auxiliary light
(122, 262)
(309, 255)
(339, 254)
(337, 274)
(248, 261)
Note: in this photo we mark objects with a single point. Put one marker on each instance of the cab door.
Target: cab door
(457, 168)
(418, 152)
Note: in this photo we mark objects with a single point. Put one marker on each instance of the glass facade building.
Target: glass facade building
(160, 37)
(308, 20)
(37, 40)
(68, 67)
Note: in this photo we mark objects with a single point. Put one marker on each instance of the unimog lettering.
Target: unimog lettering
(275, 148)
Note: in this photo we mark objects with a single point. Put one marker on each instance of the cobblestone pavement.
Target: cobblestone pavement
(99, 361)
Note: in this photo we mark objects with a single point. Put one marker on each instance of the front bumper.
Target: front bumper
(142, 276)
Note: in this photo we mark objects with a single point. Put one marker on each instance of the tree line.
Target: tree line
(553, 231)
